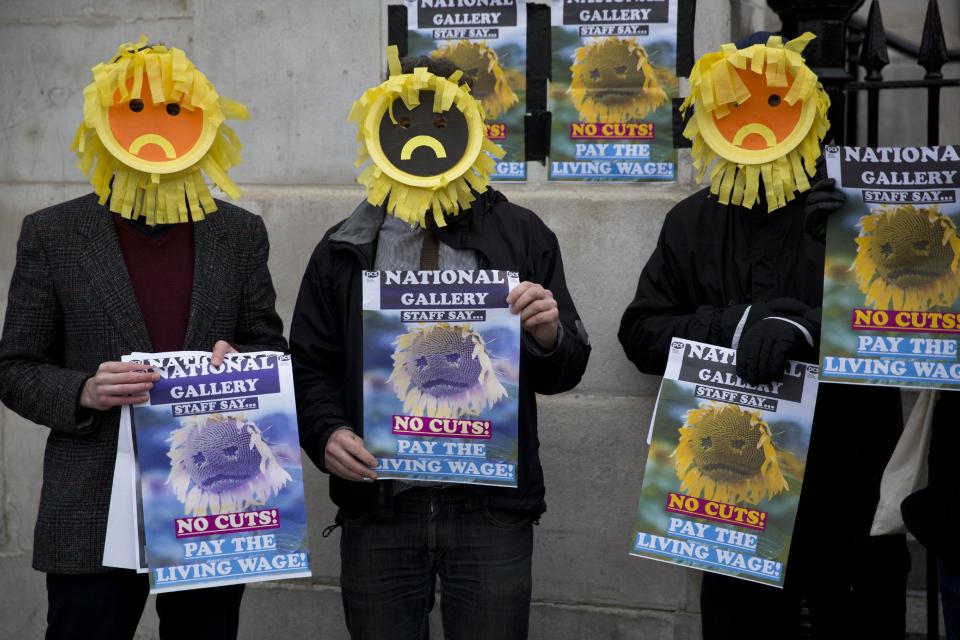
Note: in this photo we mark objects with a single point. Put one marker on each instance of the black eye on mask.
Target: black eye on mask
(442, 146)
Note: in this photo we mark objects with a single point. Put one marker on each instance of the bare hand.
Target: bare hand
(345, 456)
(539, 315)
(220, 349)
(115, 384)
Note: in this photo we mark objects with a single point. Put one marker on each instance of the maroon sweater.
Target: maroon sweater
(160, 265)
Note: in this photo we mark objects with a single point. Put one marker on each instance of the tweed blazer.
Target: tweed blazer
(71, 306)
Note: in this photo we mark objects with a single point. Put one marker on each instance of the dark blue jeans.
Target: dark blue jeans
(391, 558)
(950, 598)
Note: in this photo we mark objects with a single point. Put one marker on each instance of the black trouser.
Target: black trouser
(107, 606)
(855, 584)
(852, 592)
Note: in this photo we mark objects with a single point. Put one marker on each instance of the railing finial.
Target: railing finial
(933, 46)
(873, 53)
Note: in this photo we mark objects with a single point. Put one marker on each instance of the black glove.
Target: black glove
(822, 200)
(735, 320)
(765, 348)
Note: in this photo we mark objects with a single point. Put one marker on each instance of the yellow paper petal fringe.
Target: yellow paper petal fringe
(715, 84)
(410, 203)
(172, 77)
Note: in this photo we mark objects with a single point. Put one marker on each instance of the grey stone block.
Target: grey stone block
(23, 605)
(593, 450)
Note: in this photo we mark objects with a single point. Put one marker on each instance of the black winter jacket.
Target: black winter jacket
(326, 337)
(714, 260)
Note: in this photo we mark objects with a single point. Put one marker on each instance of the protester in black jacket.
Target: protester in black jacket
(326, 345)
(720, 270)
(326, 336)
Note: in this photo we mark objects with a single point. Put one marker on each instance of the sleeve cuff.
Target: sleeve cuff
(536, 350)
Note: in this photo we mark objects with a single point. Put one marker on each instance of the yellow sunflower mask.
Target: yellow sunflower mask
(613, 81)
(759, 113)
(426, 139)
(152, 126)
(444, 371)
(481, 63)
(726, 453)
(908, 259)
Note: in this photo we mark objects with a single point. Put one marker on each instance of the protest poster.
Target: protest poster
(441, 362)
(488, 42)
(220, 476)
(725, 465)
(611, 90)
(891, 282)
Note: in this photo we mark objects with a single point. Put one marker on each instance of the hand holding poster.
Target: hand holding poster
(611, 90)
(725, 465)
(441, 357)
(220, 476)
(488, 42)
(891, 289)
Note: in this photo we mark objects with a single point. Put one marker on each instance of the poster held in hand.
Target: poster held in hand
(725, 465)
(891, 286)
(441, 359)
(216, 455)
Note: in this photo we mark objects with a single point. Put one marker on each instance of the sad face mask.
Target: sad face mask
(426, 139)
(759, 113)
(151, 124)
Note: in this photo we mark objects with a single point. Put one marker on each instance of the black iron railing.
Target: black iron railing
(872, 41)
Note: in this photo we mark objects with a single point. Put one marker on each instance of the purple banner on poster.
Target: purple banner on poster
(185, 382)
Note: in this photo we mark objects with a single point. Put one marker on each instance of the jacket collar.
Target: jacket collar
(102, 260)
(473, 229)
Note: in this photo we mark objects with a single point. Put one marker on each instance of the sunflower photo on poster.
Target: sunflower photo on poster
(725, 466)
(441, 361)
(891, 308)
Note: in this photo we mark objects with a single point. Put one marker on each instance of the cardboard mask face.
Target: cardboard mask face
(758, 113)
(426, 138)
(155, 136)
(153, 125)
(421, 142)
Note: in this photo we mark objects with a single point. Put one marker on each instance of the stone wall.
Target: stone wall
(298, 65)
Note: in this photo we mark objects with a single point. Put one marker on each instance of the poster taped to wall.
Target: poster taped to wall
(612, 85)
(891, 287)
(220, 476)
(488, 41)
(441, 362)
(725, 465)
